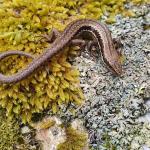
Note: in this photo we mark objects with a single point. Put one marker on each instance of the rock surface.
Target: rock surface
(114, 104)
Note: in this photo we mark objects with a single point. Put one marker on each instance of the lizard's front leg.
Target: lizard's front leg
(51, 37)
(118, 45)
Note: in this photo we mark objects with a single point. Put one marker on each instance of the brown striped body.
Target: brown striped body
(98, 30)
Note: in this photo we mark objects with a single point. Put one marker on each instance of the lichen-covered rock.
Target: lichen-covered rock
(50, 133)
(54, 135)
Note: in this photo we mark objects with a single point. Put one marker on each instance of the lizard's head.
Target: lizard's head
(115, 67)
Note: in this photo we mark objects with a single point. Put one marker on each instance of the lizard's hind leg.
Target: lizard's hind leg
(87, 45)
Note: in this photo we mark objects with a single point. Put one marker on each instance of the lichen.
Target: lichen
(57, 83)
(134, 138)
(108, 143)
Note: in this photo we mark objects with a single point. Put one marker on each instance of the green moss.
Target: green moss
(9, 134)
(44, 124)
(47, 124)
(75, 140)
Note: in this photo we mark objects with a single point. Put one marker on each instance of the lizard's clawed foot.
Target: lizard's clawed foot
(52, 35)
(118, 45)
(92, 48)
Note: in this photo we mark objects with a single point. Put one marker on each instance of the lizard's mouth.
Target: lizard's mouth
(114, 66)
(117, 69)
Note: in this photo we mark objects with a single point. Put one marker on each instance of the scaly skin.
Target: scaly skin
(100, 33)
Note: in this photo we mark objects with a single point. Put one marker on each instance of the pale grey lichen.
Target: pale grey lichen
(114, 104)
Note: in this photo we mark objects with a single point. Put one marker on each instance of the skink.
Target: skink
(100, 33)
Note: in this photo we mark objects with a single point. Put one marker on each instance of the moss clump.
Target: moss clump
(22, 24)
(8, 132)
(75, 140)
(10, 136)
(47, 124)
(44, 124)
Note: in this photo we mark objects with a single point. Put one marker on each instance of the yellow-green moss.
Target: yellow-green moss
(9, 134)
(22, 23)
(44, 124)
(75, 140)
